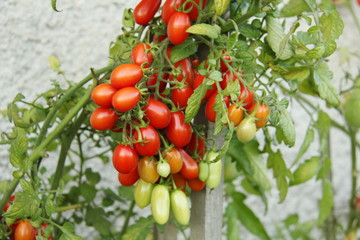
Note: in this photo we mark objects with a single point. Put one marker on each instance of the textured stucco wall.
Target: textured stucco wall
(79, 36)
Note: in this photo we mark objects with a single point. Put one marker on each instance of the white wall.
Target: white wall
(80, 35)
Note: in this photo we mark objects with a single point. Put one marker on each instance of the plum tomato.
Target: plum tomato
(246, 130)
(215, 172)
(125, 158)
(141, 55)
(210, 113)
(157, 113)
(197, 145)
(169, 8)
(230, 76)
(262, 112)
(25, 231)
(246, 98)
(178, 132)
(150, 144)
(147, 169)
(176, 30)
(173, 158)
(160, 204)
(103, 118)
(128, 179)
(163, 169)
(102, 95)
(194, 13)
(180, 207)
(235, 114)
(180, 96)
(126, 75)
(145, 11)
(190, 169)
(196, 184)
(126, 99)
(153, 80)
(180, 181)
(199, 79)
(186, 72)
(142, 193)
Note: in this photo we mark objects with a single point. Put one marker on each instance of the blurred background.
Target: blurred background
(79, 37)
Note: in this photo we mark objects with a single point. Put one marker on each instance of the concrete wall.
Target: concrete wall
(80, 35)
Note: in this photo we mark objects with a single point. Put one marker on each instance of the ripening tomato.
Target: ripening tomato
(190, 169)
(199, 79)
(203, 171)
(230, 76)
(196, 184)
(173, 158)
(145, 11)
(153, 80)
(163, 169)
(180, 96)
(147, 169)
(102, 118)
(215, 172)
(150, 141)
(197, 145)
(186, 72)
(157, 113)
(169, 8)
(262, 112)
(128, 179)
(126, 99)
(126, 75)
(160, 204)
(246, 98)
(141, 55)
(180, 207)
(125, 158)
(176, 30)
(227, 58)
(180, 181)
(25, 231)
(246, 130)
(142, 193)
(178, 132)
(235, 114)
(102, 95)
(210, 113)
(194, 13)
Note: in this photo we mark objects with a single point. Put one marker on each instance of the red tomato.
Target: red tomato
(190, 169)
(177, 26)
(102, 118)
(158, 39)
(262, 112)
(181, 96)
(223, 67)
(126, 75)
(194, 13)
(195, 62)
(169, 8)
(102, 95)
(198, 81)
(141, 55)
(246, 98)
(10, 200)
(178, 132)
(157, 113)
(126, 99)
(173, 158)
(147, 170)
(197, 145)
(358, 2)
(235, 114)
(125, 158)
(151, 144)
(180, 181)
(196, 184)
(145, 11)
(128, 179)
(187, 71)
(25, 231)
(230, 76)
(153, 79)
(210, 113)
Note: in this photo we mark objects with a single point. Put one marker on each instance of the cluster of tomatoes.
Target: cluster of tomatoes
(22, 229)
(143, 103)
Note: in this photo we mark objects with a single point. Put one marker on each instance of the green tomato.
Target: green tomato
(246, 130)
(352, 113)
(160, 204)
(215, 171)
(203, 171)
(180, 207)
(142, 193)
(163, 169)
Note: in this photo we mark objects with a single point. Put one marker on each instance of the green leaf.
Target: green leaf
(53, 5)
(325, 168)
(294, 7)
(92, 177)
(247, 218)
(194, 102)
(330, 48)
(308, 140)
(317, 52)
(331, 25)
(13, 114)
(326, 203)
(211, 31)
(249, 31)
(306, 171)
(96, 217)
(277, 39)
(49, 207)
(183, 50)
(236, 151)
(18, 149)
(55, 64)
(126, 192)
(221, 114)
(215, 75)
(88, 191)
(128, 20)
(221, 6)
(322, 77)
(232, 228)
(140, 229)
(68, 232)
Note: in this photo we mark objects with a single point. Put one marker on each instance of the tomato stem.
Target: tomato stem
(127, 219)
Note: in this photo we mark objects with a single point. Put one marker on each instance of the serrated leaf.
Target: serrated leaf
(49, 207)
(215, 75)
(306, 171)
(331, 25)
(183, 50)
(53, 5)
(330, 48)
(277, 39)
(211, 31)
(322, 77)
(326, 203)
(249, 31)
(194, 102)
(284, 124)
(294, 7)
(18, 149)
(26, 204)
(221, 6)
(139, 229)
(308, 140)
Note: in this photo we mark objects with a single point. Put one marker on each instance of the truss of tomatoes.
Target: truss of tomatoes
(160, 152)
